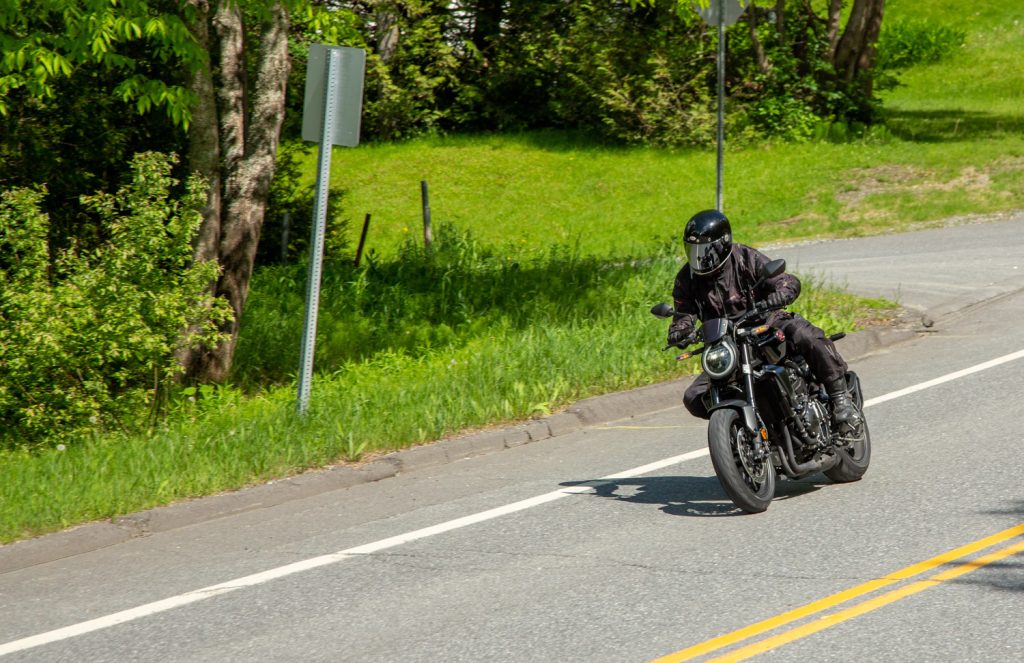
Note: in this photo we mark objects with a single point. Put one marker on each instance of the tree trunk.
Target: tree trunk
(203, 155)
(203, 158)
(759, 56)
(855, 51)
(249, 125)
(835, 11)
(388, 32)
(487, 22)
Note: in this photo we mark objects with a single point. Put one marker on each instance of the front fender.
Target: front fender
(741, 406)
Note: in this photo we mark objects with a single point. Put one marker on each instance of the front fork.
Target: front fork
(748, 409)
(761, 447)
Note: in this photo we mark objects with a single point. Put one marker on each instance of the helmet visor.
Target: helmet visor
(706, 257)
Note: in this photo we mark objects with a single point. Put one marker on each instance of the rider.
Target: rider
(716, 282)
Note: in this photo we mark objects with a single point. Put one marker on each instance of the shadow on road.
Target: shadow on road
(1016, 508)
(685, 496)
(1006, 575)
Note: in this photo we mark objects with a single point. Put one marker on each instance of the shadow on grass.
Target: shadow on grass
(685, 496)
(939, 126)
(548, 140)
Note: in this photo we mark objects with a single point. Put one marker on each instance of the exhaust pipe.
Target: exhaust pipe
(795, 469)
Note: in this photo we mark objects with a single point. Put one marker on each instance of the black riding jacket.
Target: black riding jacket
(727, 292)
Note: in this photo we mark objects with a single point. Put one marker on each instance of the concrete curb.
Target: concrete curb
(583, 414)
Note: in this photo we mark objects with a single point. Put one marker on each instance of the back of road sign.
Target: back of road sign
(731, 10)
(347, 95)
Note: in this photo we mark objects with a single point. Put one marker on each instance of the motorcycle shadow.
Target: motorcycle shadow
(687, 496)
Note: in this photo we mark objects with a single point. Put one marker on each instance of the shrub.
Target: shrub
(904, 43)
(87, 337)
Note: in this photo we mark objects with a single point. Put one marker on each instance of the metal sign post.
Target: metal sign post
(720, 165)
(721, 13)
(331, 116)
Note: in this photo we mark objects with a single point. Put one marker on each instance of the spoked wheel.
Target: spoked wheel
(749, 481)
(855, 456)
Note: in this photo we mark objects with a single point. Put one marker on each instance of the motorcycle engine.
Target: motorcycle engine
(816, 419)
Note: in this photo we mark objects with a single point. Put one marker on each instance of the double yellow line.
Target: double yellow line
(802, 631)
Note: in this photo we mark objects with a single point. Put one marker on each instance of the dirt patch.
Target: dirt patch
(1007, 165)
(799, 219)
(866, 182)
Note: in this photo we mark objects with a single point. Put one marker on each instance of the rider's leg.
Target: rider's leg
(693, 399)
(826, 364)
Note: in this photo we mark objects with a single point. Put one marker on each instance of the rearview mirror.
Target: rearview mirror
(773, 269)
(662, 310)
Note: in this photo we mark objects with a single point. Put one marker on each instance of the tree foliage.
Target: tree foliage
(641, 71)
(44, 41)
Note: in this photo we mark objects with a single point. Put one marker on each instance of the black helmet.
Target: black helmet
(708, 241)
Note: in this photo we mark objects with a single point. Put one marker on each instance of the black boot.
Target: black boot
(844, 412)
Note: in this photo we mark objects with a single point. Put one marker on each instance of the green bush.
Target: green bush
(87, 337)
(904, 43)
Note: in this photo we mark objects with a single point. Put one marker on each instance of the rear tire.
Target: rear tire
(748, 483)
(854, 459)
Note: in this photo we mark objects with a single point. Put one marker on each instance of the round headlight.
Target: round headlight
(719, 361)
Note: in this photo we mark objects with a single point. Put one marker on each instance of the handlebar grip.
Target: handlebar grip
(683, 344)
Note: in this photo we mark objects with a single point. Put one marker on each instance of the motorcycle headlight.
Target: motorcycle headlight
(719, 361)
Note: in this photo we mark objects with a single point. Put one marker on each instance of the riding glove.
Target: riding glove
(774, 300)
(677, 335)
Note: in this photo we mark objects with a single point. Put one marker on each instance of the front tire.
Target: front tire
(854, 458)
(749, 483)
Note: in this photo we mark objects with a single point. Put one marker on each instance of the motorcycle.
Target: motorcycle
(769, 415)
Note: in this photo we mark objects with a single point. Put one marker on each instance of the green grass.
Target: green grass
(221, 439)
(403, 360)
(628, 201)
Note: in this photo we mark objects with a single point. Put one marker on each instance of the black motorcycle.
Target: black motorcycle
(769, 415)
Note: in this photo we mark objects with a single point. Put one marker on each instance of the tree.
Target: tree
(70, 74)
(849, 50)
(233, 143)
(234, 55)
(854, 53)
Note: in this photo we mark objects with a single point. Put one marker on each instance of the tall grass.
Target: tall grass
(524, 338)
(425, 300)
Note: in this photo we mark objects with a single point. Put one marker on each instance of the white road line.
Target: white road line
(323, 560)
(369, 548)
(977, 368)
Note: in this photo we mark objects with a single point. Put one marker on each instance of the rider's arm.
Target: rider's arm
(687, 313)
(787, 285)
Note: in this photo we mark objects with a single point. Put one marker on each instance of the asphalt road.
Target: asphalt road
(935, 271)
(436, 565)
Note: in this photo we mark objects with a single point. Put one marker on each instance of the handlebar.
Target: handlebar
(758, 310)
